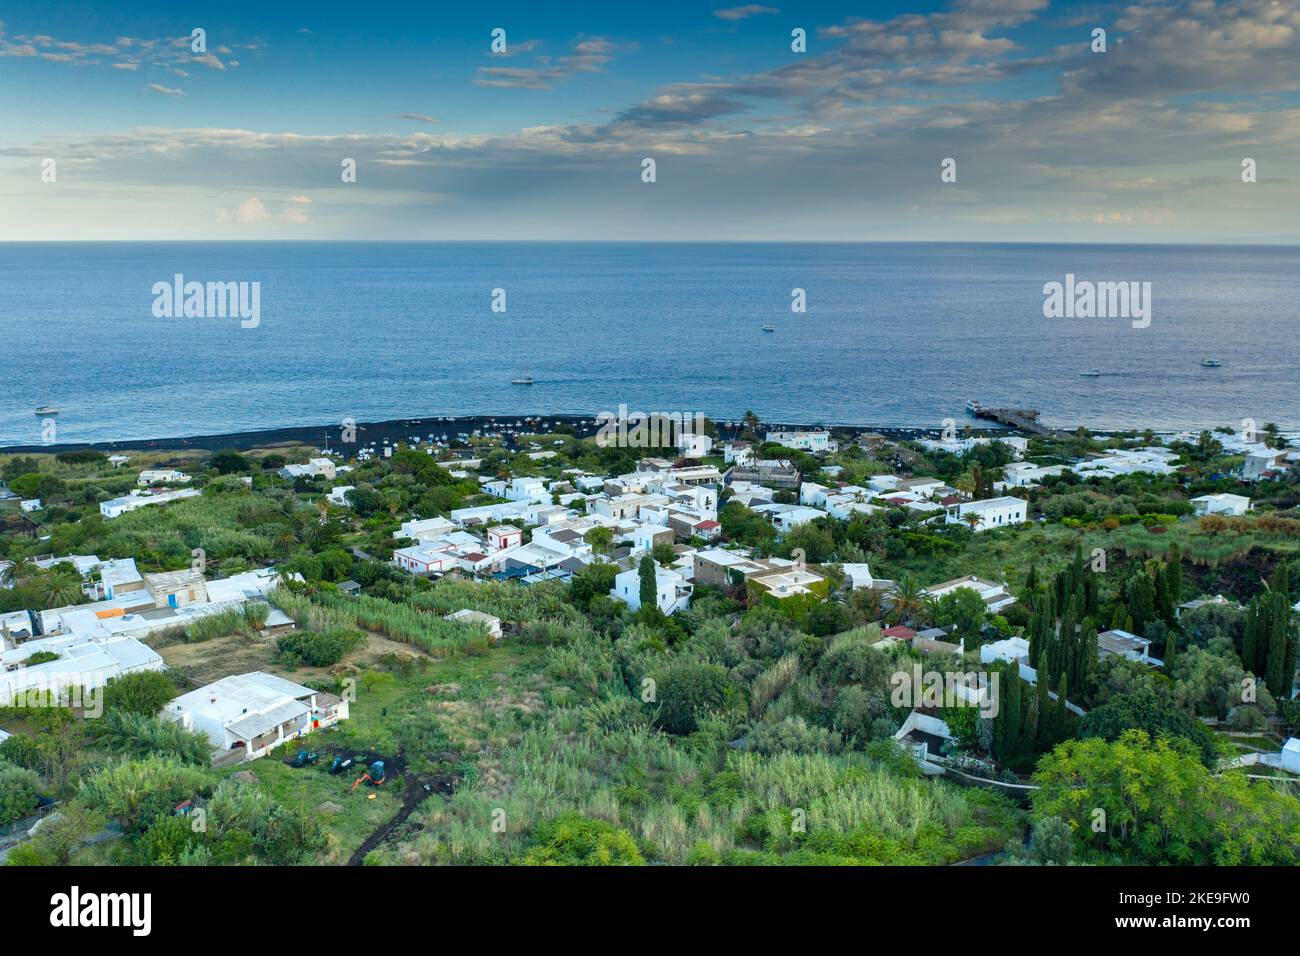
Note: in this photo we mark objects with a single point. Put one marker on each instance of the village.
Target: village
(912, 552)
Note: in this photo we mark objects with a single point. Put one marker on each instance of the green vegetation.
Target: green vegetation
(745, 730)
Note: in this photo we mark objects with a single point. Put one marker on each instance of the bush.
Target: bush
(574, 840)
(136, 792)
(145, 692)
(320, 649)
(19, 792)
(141, 735)
(685, 691)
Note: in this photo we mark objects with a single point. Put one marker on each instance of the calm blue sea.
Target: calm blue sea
(894, 334)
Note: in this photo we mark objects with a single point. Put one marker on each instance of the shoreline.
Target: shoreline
(437, 426)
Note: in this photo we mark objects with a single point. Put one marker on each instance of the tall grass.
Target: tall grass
(427, 631)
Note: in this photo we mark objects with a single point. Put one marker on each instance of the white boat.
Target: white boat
(1091, 373)
(47, 410)
(769, 328)
(522, 380)
(1210, 363)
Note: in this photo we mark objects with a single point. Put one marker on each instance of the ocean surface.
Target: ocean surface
(894, 334)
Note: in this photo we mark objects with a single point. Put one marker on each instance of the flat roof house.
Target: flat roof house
(995, 596)
(672, 591)
(255, 712)
(1221, 504)
(992, 512)
(1124, 644)
(82, 663)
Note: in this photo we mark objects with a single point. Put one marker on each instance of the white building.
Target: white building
(789, 517)
(1127, 461)
(737, 453)
(672, 590)
(992, 512)
(1125, 644)
(813, 441)
(82, 663)
(1024, 475)
(858, 575)
(690, 445)
(31, 504)
(255, 712)
(487, 621)
(158, 476)
(115, 507)
(315, 467)
(1221, 504)
(995, 596)
(339, 495)
(426, 529)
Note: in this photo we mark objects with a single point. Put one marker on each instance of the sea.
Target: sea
(892, 334)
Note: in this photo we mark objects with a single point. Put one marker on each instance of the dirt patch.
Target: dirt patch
(415, 790)
(204, 662)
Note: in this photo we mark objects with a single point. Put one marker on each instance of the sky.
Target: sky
(1051, 141)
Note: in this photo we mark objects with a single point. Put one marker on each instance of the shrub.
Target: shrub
(685, 691)
(320, 649)
(136, 792)
(145, 692)
(19, 791)
(574, 840)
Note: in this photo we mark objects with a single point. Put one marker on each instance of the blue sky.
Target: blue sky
(1053, 142)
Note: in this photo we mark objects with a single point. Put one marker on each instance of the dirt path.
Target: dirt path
(415, 791)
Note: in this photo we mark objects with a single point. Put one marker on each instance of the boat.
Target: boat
(1091, 373)
(1210, 363)
(47, 410)
(522, 380)
(769, 328)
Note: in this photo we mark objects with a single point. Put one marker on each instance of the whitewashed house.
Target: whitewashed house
(672, 590)
(992, 512)
(255, 712)
(1221, 504)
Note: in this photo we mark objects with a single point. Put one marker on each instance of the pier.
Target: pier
(1024, 419)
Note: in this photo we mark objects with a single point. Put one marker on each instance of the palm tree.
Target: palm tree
(906, 602)
(59, 586)
(973, 518)
(19, 569)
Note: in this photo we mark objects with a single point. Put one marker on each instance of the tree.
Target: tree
(1152, 802)
(663, 553)
(906, 602)
(593, 580)
(228, 462)
(144, 692)
(685, 690)
(1153, 715)
(649, 588)
(19, 789)
(59, 586)
(600, 538)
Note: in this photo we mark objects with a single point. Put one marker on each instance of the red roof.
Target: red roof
(709, 524)
(899, 631)
(475, 556)
(899, 501)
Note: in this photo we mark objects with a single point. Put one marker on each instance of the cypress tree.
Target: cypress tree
(649, 591)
